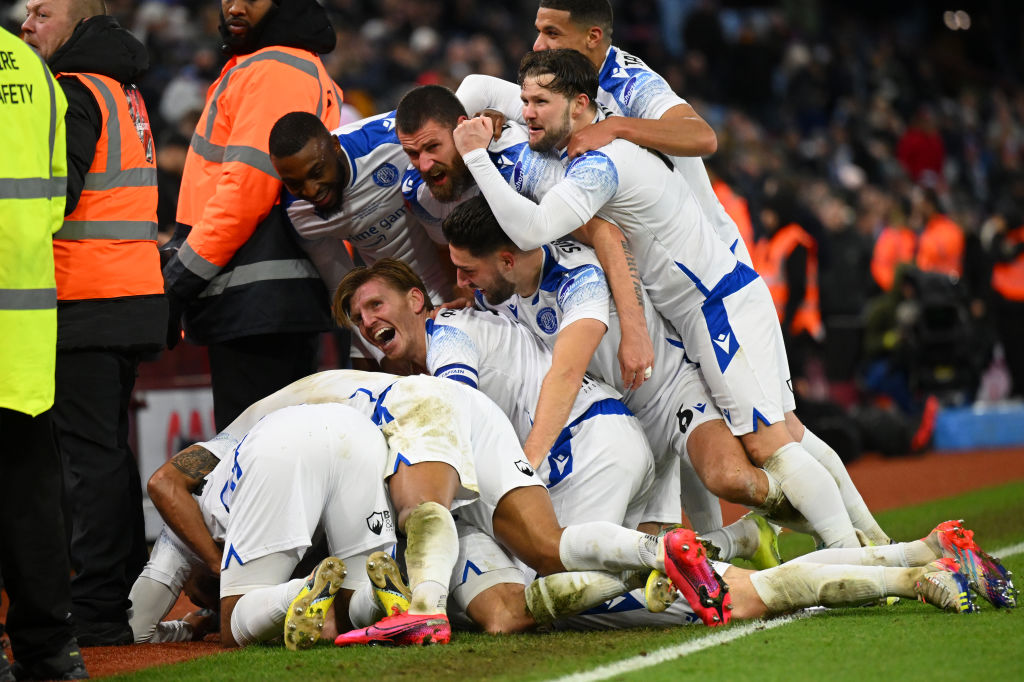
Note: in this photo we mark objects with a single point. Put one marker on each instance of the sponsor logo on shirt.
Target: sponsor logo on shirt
(378, 521)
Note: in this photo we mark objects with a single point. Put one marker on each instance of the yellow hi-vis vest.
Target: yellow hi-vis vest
(33, 191)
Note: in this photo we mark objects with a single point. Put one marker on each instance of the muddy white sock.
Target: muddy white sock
(565, 594)
(813, 492)
(797, 586)
(430, 556)
(740, 539)
(259, 614)
(603, 546)
(856, 509)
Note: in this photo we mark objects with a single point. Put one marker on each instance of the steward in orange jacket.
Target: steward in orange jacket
(111, 310)
(244, 285)
(1008, 302)
(940, 246)
(895, 245)
(788, 262)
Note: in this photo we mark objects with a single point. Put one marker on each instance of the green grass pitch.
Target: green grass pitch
(907, 641)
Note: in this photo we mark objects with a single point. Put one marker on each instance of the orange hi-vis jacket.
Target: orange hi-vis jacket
(895, 245)
(240, 270)
(940, 248)
(771, 256)
(107, 246)
(1008, 278)
(736, 207)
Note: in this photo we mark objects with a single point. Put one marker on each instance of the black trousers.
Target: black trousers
(250, 368)
(1009, 319)
(108, 543)
(33, 546)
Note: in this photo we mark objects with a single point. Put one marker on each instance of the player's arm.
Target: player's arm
(573, 349)
(478, 92)
(171, 488)
(568, 205)
(636, 352)
(679, 132)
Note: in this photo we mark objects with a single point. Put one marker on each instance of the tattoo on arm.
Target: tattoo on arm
(195, 462)
(634, 273)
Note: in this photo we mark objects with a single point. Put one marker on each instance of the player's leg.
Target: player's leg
(255, 597)
(858, 511)
(795, 586)
(734, 335)
(422, 495)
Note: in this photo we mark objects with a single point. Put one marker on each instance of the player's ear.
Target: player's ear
(595, 35)
(579, 104)
(417, 299)
(507, 258)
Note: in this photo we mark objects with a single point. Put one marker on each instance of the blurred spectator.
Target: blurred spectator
(171, 149)
(921, 150)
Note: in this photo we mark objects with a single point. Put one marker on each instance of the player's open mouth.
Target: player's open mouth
(383, 336)
(438, 178)
(324, 198)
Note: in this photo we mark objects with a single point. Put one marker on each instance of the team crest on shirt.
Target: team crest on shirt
(547, 320)
(386, 175)
(378, 521)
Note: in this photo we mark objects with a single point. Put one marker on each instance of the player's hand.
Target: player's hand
(636, 360)
(203, 621)
(592, 137)
(473, 133)
(497, 118)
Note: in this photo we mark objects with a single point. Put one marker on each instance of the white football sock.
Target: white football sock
(430, 556)
(603, 546)
(259, 614)
(565, 594)
(858, 512)
(740, 539)
(701, 505)
(364, 609)
(813, 492)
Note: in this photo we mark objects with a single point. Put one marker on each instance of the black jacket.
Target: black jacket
(99, 45)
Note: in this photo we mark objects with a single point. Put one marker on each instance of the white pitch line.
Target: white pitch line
(1009, 551)
(669, 653)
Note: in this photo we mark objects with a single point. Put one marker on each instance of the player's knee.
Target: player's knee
(734, 483)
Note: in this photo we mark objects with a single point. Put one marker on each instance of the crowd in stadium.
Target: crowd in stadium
(864, 190)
